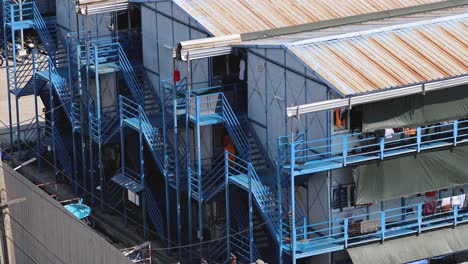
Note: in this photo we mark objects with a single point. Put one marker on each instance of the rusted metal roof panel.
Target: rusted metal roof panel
(374, 60)
(225, 17)
(379, 23)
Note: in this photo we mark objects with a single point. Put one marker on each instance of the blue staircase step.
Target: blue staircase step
(18, 25)
(108, 67)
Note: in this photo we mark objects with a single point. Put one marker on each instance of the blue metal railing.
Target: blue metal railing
(103, 129)
(129, 74)
(239, 213)
(133, 111)
(214, 180)
(43, 32)
(265, 196)
(216, 103)
(259, 144)
(217, 250)
(19, 13)
(154, 212)
(139, 70)
(395, 222)
(61, 150)
(349, 148)
(114, 194)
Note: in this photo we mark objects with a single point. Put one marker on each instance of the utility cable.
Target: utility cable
(100, 221)
(35, 238)
(20, 248)
(166, 248)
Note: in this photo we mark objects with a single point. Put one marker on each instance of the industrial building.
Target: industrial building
(287, 131)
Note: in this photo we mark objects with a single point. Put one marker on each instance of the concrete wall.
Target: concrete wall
(45, 232)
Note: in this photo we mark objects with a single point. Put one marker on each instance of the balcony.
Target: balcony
(339, 234)
(351, 149)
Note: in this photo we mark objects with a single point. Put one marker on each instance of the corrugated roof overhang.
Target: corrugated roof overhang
(205, 48)
(93, 7)
(376, 96)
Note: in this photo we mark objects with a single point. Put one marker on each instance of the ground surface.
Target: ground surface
(26, 105)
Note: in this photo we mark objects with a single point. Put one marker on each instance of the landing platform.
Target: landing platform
(338, 161)
(25, 24)
(108, 67)
(55, 75)
(319, 245)
(208, 119)
(154, 119)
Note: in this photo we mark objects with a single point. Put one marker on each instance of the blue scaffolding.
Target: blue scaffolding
(77, 128)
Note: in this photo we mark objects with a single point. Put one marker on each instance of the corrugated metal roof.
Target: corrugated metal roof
(375, 60)
(225, 17)
(330, 31)
(93, 7)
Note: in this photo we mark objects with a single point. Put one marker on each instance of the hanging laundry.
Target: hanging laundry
(429, 207)
(389, 133)
(456, 201)
(446, 201)
(446, 204)
(241, 70)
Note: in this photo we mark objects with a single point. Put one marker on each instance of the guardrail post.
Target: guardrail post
(455, 215)
(304, 228)
(345, 227)
(418, 138)
(419, 218)
(251, 241)
(382, 225)
(228, 220)
(345, 150)
(382, 147)
(455, 132)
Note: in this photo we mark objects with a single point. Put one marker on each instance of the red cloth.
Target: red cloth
(176, 75)
(429, 207)
(430, 194)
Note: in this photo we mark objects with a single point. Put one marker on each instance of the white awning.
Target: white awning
(205, 48)
(375, 97)
(93, 7)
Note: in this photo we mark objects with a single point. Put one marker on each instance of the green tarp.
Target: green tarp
(413, 174)
(401, 250)
(416, 110)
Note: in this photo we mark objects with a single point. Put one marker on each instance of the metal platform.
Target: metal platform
(353, 149)
(108, 67)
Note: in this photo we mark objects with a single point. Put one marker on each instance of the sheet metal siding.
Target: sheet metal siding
(225, 17)
(390, 59)
(58, 231)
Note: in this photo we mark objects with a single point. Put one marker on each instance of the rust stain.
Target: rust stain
(395, 77)
(350, 65)
(241, 16)
(447, 52)
(420, 55)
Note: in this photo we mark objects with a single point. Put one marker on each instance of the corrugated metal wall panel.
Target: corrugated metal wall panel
(49, 233)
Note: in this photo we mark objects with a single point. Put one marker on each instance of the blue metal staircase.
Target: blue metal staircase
(133, 115)
(240, 238)
(213, 181)
(154, 212)
(243, 174)
(61, 149)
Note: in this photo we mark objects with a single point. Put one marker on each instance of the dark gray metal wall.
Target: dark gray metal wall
(50, 234)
